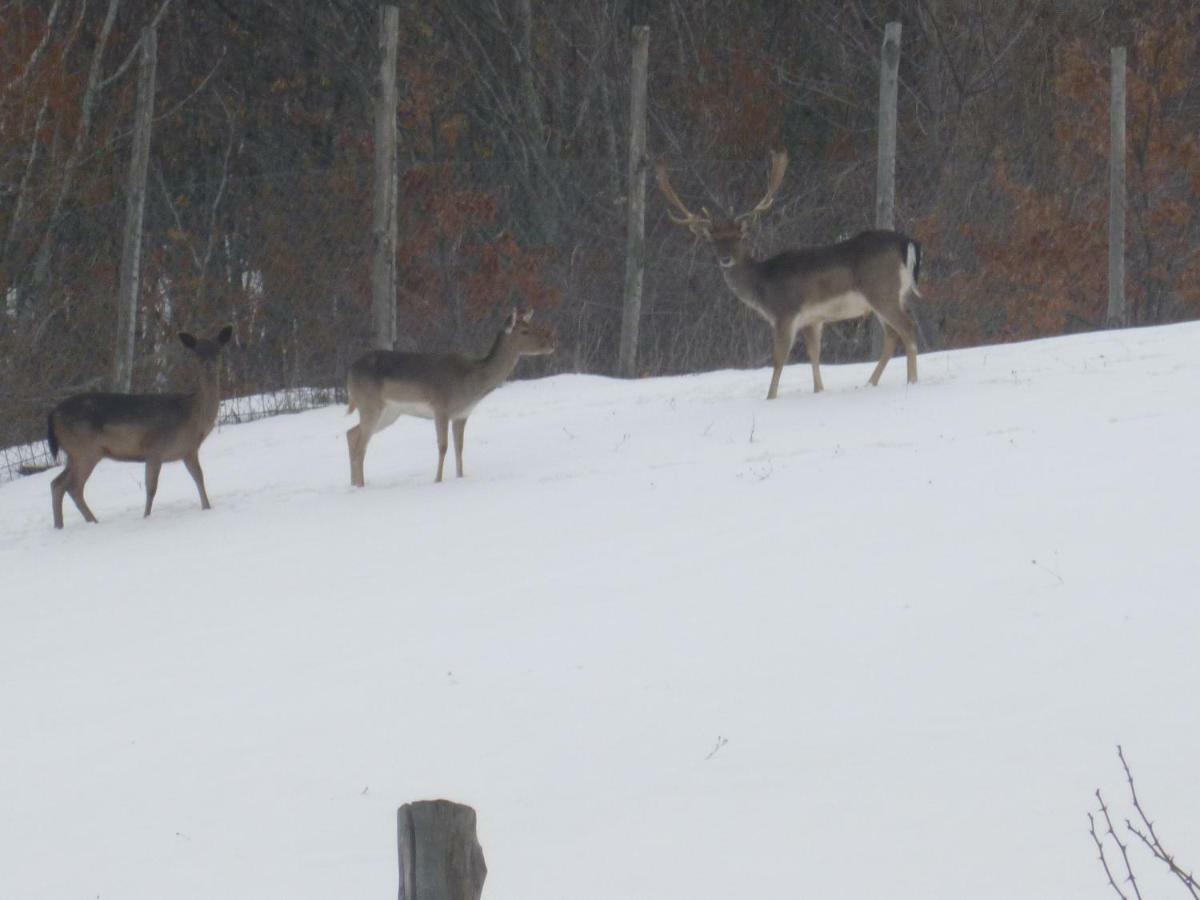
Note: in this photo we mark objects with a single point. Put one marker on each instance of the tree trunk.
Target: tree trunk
(885, 172)
(384, 233)
(1116, 195)
(135, 206)
(41, 268)
(635, 248)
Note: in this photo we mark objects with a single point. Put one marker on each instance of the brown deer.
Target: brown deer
(149, 428)
(801, 290)
(385, 384)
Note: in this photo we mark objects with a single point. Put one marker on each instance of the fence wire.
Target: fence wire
(259, 204)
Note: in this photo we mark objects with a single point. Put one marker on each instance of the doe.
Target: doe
(386, 384)
(149, 428)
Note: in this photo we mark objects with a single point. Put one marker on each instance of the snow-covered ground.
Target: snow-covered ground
(669, 639)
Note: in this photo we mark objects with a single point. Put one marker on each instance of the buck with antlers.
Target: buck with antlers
(798, 291)
(149, 428)
(385, 384)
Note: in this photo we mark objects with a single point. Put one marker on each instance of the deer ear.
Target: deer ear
(187, 340)
(225, 334)
(527, 315)
(511, 322)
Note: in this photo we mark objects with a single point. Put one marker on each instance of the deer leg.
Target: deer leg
(58, 488)
(899, 325)
(81, 471)
(784, 338)
(353, 438)
(908, 335)
(889, 347)
(192, 463)
(357, 439)
(460, 427)
(153, 467)
(812, 343)
(442, 424)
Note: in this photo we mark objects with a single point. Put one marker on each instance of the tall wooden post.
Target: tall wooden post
(1117, 315)
(384, 231)
(885, 172)
(635, 247)
(885, 169)
(135, 207)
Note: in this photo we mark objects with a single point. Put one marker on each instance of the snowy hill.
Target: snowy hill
(670, 640)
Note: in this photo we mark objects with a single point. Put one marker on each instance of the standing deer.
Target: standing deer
(149, 428)
(385, 384)
(801, 290)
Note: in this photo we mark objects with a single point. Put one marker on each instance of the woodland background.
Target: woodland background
(512, 137)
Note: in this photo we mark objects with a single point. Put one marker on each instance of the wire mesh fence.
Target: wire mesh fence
(34, 457)
(512, 182)
(297, 290)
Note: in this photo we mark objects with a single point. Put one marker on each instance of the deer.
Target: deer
(445, 387)
(146, 428)
(799, 291)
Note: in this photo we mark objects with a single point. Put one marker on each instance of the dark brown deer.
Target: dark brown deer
(386, 384)
(148, 428)
(798, 291)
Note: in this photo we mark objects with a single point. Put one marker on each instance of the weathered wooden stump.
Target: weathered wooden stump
(440, 856)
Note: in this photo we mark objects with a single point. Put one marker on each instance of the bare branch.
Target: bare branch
(1124, 848)
(1150, 838)
(133, 51)
(1103, 859)
(37, 51)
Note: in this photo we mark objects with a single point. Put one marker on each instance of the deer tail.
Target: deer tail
(912, 262)
(913, 259)
(51, 437)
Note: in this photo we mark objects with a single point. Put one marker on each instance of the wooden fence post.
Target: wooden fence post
(135, 208)
(635, 248)
(885, 169)
(440, 856)
(1117, 314)
(384, 232)
(885, 172)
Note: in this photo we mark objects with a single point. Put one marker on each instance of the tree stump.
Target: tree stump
(440, 856)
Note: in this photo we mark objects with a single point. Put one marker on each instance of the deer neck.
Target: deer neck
(206, 399)
(743, 279)
(494, 369)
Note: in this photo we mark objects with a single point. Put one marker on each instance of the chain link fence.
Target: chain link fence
(512, 185)
(294, 281)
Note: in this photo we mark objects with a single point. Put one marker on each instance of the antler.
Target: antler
(698, 225)
(779, 161)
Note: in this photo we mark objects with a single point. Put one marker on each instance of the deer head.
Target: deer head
(526, 338)
(725, 233)
(207, 350)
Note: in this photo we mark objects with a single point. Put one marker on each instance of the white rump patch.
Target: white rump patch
(907, 283)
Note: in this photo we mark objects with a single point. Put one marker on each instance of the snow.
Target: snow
(669, 639)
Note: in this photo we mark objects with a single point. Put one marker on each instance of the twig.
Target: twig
(1103, 858)
(1150, 838)
(1124, 848)
(1049, 570)
(721, 742)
